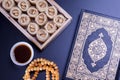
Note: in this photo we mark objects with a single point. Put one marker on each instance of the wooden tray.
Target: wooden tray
(30, 37)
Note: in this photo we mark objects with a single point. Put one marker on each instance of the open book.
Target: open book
(96, 51)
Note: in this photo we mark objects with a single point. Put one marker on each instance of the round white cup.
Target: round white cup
(12, 54)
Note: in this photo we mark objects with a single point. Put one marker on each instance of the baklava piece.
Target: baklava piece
(15, 12)
(59, 20)
(51, 12)
(50, 27)
(24, 5)
(41, 5)
(32, 28)
(32, 12)
(42, 35)
(24, 20)
(8, 4)
(41, 19)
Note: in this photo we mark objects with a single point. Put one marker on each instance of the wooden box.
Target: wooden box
(40, 45)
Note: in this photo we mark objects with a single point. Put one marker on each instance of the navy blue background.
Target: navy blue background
(58, 49)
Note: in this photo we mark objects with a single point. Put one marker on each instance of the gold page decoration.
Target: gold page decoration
(95, 55)
(39, 65)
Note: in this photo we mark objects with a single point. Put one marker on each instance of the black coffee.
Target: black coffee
(22, 53)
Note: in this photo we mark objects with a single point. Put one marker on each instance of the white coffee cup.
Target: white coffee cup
(19, 52)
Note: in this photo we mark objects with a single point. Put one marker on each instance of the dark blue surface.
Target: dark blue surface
(58, 50)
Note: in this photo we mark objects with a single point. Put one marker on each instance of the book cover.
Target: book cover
(95, 54)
